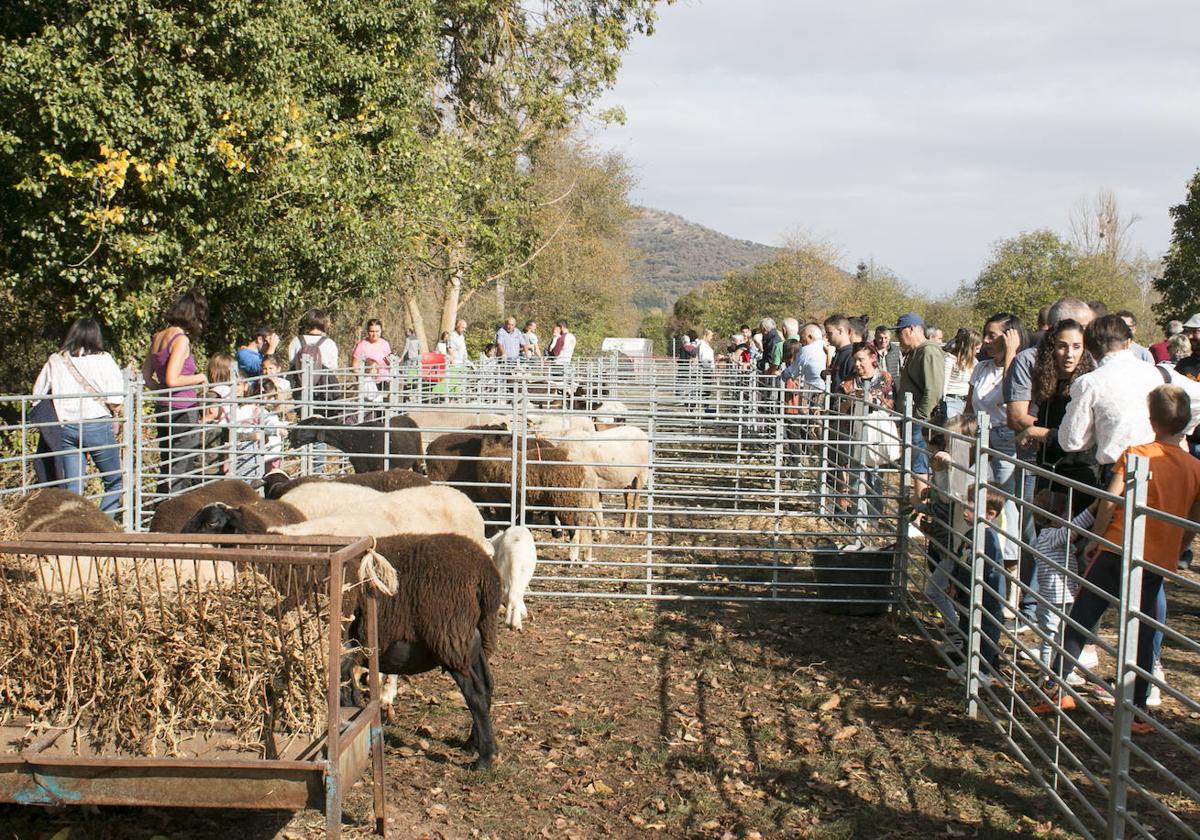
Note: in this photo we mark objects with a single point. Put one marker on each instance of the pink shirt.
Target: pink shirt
(377, 352)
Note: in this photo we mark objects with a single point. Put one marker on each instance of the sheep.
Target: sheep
(253, 518)
(442, 615)
(418, 510)
(328, 498)
(51, 510)
(620, 458)
(172, 514)
(555, 423)
(277, 484)
(610, 413)
(553, 482)
(364, 443)
(433, 424)
(515, 556)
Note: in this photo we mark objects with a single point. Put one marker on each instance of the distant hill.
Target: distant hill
(680, 255)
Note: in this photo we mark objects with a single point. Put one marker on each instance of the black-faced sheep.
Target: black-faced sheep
(515, 556)
(51, 510)
(365, 444)
(566, 490)
(443, 615)
(277, 484)
(172, 514)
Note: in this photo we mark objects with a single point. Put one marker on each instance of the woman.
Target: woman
(960, 364)
(443, 344)
(373, 350)
(171, 367)
(986, 395)
(1061, 359)
(870, 381)
(83, 369)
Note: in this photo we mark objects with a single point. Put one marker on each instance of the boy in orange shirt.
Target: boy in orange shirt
(1174, 488)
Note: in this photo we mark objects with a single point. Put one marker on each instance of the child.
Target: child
(1056, 565)
(993, 607)
(277, 392)
(938, 519)
(214, 415)
(1174, 488)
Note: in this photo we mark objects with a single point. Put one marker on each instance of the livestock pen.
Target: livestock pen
(749, 497)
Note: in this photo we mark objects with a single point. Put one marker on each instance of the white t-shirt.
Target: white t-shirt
(704, 354)
(987, 392)
(568, 347)
(958, 379)
(328, 350)
(97, 369)
(457, 347)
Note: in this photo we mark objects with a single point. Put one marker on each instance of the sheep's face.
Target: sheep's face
(215, 519)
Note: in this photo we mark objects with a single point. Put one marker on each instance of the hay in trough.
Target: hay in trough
(137, 666)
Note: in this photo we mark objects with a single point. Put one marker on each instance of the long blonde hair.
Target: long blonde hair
(966, 346)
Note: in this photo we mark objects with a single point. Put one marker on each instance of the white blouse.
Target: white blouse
(75, 403)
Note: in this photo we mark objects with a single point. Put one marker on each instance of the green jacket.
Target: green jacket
(924, 376)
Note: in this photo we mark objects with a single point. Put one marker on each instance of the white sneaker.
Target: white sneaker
(1154, 698)
(1076, 679)
(1088, 658)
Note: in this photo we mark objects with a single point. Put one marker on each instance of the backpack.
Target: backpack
(324, 381)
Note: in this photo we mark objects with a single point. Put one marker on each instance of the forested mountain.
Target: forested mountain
(680, 255)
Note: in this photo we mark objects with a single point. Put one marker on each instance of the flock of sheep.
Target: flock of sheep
(453, 576)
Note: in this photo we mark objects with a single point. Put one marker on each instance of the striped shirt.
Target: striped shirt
(1056, 555)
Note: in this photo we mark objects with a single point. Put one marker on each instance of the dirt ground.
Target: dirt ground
(672, 720)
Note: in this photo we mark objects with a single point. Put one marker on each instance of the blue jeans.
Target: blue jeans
(954, 406)
(1003, 440)
(94, 438)
(920, 460)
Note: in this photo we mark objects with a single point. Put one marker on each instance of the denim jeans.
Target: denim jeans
(1004, 440)
(954, 406)
(94, 438)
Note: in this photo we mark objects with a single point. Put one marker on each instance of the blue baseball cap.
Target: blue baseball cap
(909, 319)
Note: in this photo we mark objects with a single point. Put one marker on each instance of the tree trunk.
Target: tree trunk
(453, 289)
(412, 306)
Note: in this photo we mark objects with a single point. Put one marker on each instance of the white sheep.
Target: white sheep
(515, 558)
(557, 423)
(416, 510)
(321, 499)
(611, 412)
(620, 458)
(434, 423)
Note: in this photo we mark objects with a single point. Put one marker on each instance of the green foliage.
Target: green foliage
(1179, 283)
(1025, 272)
(258, 151)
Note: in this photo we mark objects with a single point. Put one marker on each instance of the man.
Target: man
(791, 329)
(456, 345)
(1190, 366)
(858, 330)
(1160, 349)
(565, 346)
(1108, 406)
(888, 351)
(510, 342)
(250, 355)
(772, 348)
(923, 377)
(1043, 324)
(1138, 350)
(812, 359)
(935, 335)
(841, 367)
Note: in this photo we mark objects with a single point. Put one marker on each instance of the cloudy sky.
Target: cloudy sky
(916, 132)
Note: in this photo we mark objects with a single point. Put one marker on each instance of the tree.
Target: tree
(1179, 282)
(1024, 273)
(258, 151)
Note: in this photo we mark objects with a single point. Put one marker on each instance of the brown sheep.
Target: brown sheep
(51, 510)
(443, 615)
(277, 484)
(172, 514)
(567, 490)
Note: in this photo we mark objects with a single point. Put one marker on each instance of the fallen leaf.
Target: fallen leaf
(845, 732)
(832, 703)
(601, 788)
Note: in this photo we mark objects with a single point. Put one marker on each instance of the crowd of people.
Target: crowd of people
(199, 410)
(1065, 403)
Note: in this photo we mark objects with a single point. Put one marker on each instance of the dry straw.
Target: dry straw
(139, 661)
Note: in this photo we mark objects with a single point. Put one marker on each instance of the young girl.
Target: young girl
(1055, 547)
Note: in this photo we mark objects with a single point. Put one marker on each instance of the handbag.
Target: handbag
(881, 439)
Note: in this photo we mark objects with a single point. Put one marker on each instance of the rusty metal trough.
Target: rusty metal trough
(206, 769)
